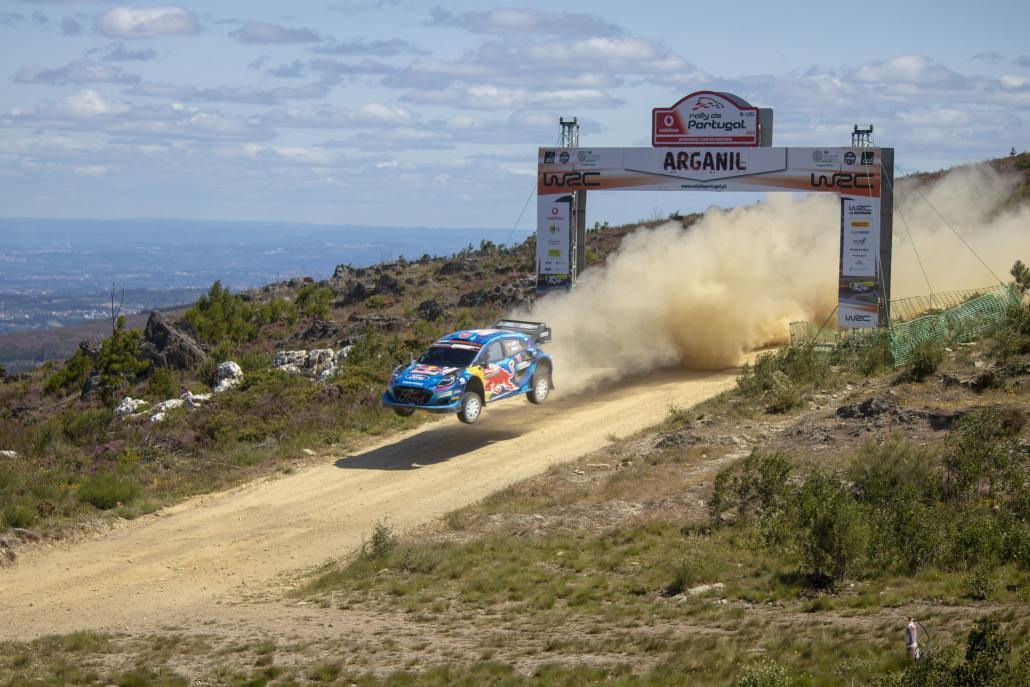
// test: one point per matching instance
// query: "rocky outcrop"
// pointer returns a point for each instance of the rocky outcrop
(356, 292)
(504, 295)
(319, 363)
(129, 406)
(165, 345)
(227, 376)
(388, 286)
(430, 310)
(319, 330)
(453, 267)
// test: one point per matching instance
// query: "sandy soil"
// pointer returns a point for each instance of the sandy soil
(226, 558)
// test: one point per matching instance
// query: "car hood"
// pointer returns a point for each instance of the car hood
(426, 376)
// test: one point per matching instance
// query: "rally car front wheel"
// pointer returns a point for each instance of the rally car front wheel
(471, 407)
(540, 389)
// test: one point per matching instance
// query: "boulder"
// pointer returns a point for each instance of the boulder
(10, 455)
(388, 286)
(319, 329)
(355, 293)
(168, 405)
(129, 406)
(167, 346)
(453, 267)
(227, 376)
(191, 400)
(430, 310)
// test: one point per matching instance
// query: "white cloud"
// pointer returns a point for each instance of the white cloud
(264, 33)
(524, 20)
(490, 96)
(75, 72)
(905, 69)
(379, 48)
(88, 104)
(147, 22)
(231, 94)
(328, 117)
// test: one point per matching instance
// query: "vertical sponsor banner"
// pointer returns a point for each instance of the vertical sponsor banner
(858, 294)
(553, 236)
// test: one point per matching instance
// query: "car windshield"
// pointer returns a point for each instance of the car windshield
(445, 356)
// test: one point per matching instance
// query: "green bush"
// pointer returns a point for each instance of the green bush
(162, 385)
(833, 529)
(751, 486)
(83, 427)
(764, 673)
(18, 515)
(927, 356)
(72, 375)
(382, 542)
(220, 317)
(313, 301)
(107, 490)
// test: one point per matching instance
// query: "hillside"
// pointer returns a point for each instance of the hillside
(777, 534)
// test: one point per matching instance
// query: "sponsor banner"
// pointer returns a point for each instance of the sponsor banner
(553, 240)
(709, 169)
(857, 316)
(705, 118)
(860, 235)
(858, 292)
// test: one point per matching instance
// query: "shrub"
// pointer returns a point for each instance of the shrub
(750, 486)
(381, 544)
(313, 301)
(83, 427)
(833, 529)
(980, 584)
(764, 673)
(162, 385)
(222, 317)
(892, 472)
(108, 490)
(73, 375)
(18, 515)
(927, 356)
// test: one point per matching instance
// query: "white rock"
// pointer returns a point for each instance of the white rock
(157, 417)
(128, 406)
(341, 354)
(705, 588)
(192, 400)
(327, 373)
(168, 405)
(9, 454)
(227, 375)
(284, 358)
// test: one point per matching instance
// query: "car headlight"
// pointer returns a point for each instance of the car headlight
(447, 381)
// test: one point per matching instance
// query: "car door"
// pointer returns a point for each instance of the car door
(498, 371)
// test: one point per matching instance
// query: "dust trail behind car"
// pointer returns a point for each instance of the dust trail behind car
(699, 297)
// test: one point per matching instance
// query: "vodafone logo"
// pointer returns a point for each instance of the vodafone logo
(554, 212)
(669, 121)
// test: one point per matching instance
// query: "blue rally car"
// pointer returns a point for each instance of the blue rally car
(463, 371)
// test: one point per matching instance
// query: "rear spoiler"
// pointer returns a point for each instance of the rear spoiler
(539, 331)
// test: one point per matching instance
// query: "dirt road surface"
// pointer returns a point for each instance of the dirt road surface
(208, 560)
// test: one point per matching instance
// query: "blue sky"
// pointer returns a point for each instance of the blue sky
(400, 113)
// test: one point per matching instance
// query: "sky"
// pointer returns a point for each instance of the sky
(402, 113)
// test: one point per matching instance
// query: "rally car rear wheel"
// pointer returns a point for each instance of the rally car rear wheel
(541, 388)
(471, 407)
(404, 412)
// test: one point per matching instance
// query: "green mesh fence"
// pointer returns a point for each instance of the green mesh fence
(950, 317)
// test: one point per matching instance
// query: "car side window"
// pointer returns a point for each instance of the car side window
(511, 347)
(494, 354)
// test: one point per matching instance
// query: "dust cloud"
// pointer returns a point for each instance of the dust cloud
(702, 296)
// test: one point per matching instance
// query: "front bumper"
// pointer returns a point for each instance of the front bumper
(434, 404)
